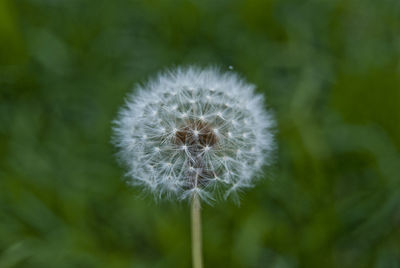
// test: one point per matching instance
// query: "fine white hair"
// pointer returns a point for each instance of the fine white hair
(194, 131)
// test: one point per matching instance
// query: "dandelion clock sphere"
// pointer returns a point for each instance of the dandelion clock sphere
(194, 131)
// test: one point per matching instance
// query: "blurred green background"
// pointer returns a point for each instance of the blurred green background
(330, 70)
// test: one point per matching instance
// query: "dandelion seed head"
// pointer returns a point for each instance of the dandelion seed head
(193, 130)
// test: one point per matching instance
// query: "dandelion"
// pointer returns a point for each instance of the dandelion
(196, 134)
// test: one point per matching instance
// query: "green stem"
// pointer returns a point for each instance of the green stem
(196, 233)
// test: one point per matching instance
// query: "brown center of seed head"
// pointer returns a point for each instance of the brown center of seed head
(197, 135)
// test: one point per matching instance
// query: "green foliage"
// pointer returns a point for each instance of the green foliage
(329, 69)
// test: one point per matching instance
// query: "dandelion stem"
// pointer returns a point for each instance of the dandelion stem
(197, 256)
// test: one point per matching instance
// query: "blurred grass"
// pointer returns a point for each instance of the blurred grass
(329, 69)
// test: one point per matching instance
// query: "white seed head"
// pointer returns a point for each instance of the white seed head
(194, 130)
